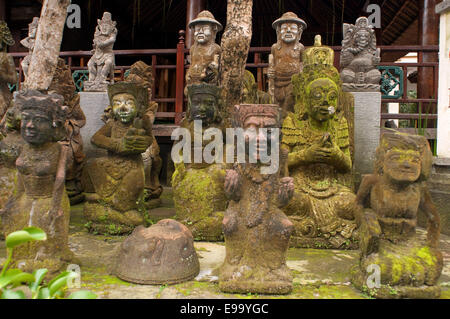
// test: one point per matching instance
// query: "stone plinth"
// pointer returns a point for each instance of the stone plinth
(367, 130)
(93, 104)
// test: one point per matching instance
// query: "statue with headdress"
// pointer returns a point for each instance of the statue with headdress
(360, 57)
(116, 182)
(102, 63)
(8, 74)
(317, 139)
(197, 183)
(40, 198)
(205, 53)
(388, 203)
(28, 43)
(285, 59)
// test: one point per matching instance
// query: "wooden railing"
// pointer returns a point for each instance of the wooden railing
(172, 114)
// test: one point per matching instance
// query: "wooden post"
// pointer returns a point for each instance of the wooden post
(193, 8)
(259, 74)
(48, 44)
(3, 10)
(180, 79)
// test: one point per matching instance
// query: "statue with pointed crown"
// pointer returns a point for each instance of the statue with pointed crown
(317, 139)
(205, 53)
(102, 63)
(285, 59)
(40, 198)
(360, 58)
(28, 43)
(116, 182)
(8, 74)
(198, 190)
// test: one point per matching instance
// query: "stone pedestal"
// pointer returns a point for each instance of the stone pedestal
(367, 130)
(93, 104)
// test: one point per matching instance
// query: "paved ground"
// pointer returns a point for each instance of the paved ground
(317, 273)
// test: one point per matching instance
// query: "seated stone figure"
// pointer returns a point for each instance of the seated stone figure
(10, 148)
(388, 202)
(117, 180)
(198, 190)
(256, 231)
(40, 198)
(319, 160)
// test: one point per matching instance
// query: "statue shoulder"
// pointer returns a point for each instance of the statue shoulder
(292, 130)
(340, 126)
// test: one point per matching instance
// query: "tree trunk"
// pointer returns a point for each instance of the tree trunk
(235, 46)
(47, 46)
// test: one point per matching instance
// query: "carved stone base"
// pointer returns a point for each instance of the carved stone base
(354, 87)
(92, 86)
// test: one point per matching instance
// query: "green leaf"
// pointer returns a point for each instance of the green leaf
(9, 294)
(39, 275)
(25, 235)
(82, 294)
(60, 281)
(15, 277)
(43, 294)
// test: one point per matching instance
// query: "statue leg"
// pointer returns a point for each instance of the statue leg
(92, 70)
(106, 70)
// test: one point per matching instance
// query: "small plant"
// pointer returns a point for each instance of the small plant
(13, 278)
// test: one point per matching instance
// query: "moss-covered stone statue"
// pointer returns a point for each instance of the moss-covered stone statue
(319, 160)
(250, 92)
(8, 74)
(256, 231)
(198, 190)
(10, 148)
(388, 203)
(117, 180)
(40, 198)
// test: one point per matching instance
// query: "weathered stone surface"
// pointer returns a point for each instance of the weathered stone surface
(102, 63)
(367, 130)
(8, 69)
(40, 198)
(28, 43)
(360, 57)
(256, 231)
(317, 139)
(389, 201)
(285, 59)
(161, 254)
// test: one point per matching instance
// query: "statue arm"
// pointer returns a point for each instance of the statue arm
(343, 160)
(233, 185)
(109, 41)
(18, 191)
(434, 223)
(103, 138)
(59, 186)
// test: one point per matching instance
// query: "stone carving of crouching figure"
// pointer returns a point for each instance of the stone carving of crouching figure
(40, 198)
(256, 231)
(388, 203)
(117, 180)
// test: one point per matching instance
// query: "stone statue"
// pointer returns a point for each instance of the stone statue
(250, 92)
(8, 72)
(198, 191)
(205, 53)
(40, 198)
(117, 180)
(63, 84)
(102, 62)
(28, 43)
(142, 74)
(256, 231)
(10, 148)
(285, 59)
(161, 254)
(319, 160)
(388, 202)
(360, 58)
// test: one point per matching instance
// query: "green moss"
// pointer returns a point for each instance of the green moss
(426, 255)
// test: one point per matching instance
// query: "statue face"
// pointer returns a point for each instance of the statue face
(124, 107)
(322, 99)
(253, 126)
(36, 127)
(290, 32)
(203, 33)
(402, 165)
(362, 38)
(105, 28)
(203, 107)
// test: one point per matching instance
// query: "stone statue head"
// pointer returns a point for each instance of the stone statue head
(6, 38)
(141, 74)
(127, 101)
(106, 25)
(205, 28)
(204, 103)
(403, 158)
(42, 116)
(322, 99)
(360, 36)
(12, 119)
(289, 28)
(249, 90)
